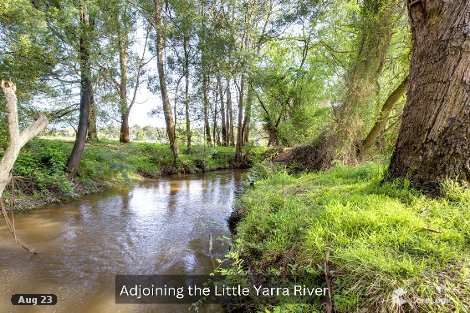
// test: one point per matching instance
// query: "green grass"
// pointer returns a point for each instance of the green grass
(379, 238)
(42, 178)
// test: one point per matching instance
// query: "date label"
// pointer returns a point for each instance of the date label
(34, 299)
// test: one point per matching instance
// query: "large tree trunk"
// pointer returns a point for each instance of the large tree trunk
(205, 91)
(379, 125)
(433, 142)
(92, 131)
(186, 92)
(160, 45)
(85, 89)
(16, 139)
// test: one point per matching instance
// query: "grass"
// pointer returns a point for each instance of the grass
(380, 238)
(42, 177)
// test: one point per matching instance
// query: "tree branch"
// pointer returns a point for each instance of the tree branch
(16, 139)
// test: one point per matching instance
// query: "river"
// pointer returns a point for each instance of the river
(155, 227)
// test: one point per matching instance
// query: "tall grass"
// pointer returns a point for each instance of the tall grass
(386, 242)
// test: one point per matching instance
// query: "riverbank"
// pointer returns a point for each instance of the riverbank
(40, 175)
(383, 247)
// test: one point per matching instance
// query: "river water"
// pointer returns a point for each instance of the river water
(159, 227)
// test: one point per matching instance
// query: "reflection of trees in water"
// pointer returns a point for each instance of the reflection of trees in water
(175, 186)
(126, 197)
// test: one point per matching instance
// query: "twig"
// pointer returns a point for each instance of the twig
(329, 301)
(11, 228)
(414, 2)
(431, 230)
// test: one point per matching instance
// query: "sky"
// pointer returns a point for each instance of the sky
(145, 103)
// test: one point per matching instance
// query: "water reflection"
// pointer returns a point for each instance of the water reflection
(159, 227)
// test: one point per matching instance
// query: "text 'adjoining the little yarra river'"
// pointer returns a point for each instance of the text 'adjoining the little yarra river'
(189, 289)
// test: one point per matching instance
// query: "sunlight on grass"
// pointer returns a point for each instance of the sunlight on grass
(380, 237)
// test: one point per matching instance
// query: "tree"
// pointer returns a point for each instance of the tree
(122, 84)
(16, 138)
(433, 141)
(28, 53)
(379, 125)
(222, 111)
(186, 38)
(85, 41)
(160, 47)
(378, 21)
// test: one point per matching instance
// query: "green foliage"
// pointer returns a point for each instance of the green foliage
(41, 166)
(380, 237)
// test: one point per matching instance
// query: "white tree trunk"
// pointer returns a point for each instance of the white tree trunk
(16, 139)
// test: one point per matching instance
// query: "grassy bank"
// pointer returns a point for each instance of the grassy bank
(384, 243)
(41, 176)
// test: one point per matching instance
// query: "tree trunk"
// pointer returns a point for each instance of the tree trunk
(92, 131)
(85, 89)
(230, 132)
(433, 142)
(378, 19)
(16, 139)
(123, 43)
(246, 121)
(239, 146)
(205, 91)
(272, 133)
(383, 118)
(160, 45)
(222, 111)
(124, 131)
(214, 128)
(186, 92)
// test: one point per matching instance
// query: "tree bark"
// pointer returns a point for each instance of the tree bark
(92, 131)
(123, 43)
(85, 89)
(124, 131)
(160, 45)
(16, 139)
(379, 125)
(433, 142)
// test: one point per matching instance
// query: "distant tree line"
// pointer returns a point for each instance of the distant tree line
(329, 74)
